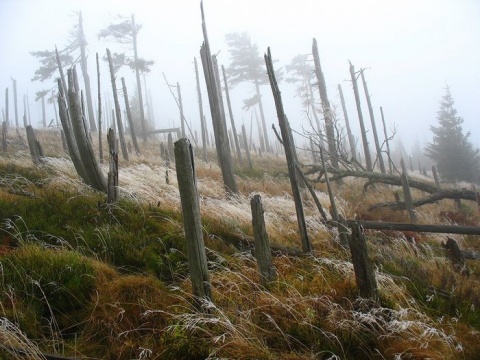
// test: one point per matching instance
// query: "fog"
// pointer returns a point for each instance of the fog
(411, 50)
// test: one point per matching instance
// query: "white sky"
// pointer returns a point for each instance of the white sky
(410, 47)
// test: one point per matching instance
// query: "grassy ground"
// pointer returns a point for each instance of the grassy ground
(85, 279)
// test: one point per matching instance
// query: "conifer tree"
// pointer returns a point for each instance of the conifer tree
(451, 149)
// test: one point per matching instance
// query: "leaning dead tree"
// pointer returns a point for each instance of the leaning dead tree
(327, 111)
(221, 137)
(292, 171)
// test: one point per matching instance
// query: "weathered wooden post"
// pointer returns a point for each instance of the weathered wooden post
(262, 244)
(197, 258)
(112, 186)
(407, 195)
(364, 273)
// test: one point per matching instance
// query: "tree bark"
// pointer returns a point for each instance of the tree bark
(112, 188)
(292, 171)
(407, 195)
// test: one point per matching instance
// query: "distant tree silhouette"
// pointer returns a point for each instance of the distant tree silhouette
(248, 66)
(125, 32)
(451, 150)
(48, 62)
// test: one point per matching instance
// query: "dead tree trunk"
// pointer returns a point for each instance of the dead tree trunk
(112, 188)
(36, 150)
(94, 174)
(118, 112)
(203, 125)
(197, 259)
(292, 170)
(15, 103)
(4, 136)
(366, 149)
(130, 120)
(100, 142)
(435, 176)
(221, 138)
(387, 143)
(139, 84)
(247, 150)
(234, 129)
(364, 273)
(66, 121)
(180, 108)
(262, 244)
(351, 139)
(327, 111)
(407, 195)
(374, 126)
(6, 106)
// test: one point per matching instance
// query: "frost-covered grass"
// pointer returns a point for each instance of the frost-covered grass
(82, 278)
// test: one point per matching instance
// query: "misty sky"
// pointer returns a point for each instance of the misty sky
(411, 49)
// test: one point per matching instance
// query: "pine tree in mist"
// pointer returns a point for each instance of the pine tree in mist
(451, 150)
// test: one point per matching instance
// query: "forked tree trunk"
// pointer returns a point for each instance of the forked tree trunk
(292, 170)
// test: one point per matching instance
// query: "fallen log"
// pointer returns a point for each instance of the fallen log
(441, 229)
(462, 194)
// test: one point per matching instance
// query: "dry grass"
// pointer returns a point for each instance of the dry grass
(310, 311)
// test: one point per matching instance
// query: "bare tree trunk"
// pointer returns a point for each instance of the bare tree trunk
(435, 176)
(118, 112)
(139, 84)
(100, 142)
(36, 150)
(234, 129)
(129, 117)
(180, 108)
(6, 106)
(15, 103)
(4, 136)
(197, 259)
(292, 170)
(387, 142)
(247, 150)
(112, 188)
(203, 124)
(221, 138)
(407, 194)
(327, 112)
(86, 77)
(374, 126)
(366, 149)
(44, 117)
(262, 244)
(351, 139)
